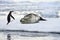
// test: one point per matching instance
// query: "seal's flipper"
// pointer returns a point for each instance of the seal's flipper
(41, 19)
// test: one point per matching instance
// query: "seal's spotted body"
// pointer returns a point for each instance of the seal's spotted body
(31, 18)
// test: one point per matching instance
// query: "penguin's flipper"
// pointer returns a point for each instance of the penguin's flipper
(12, 17)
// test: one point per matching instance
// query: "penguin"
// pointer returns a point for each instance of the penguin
(8, 17)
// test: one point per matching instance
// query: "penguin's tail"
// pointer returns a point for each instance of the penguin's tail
(7, 23)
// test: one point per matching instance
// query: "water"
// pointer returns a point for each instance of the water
(29, 36)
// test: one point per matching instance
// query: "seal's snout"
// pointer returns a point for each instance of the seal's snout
(22, 20)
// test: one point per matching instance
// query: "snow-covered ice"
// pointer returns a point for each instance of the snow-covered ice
(52, 24)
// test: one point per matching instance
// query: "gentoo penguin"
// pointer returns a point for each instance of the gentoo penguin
(8, 17)
(31, 18)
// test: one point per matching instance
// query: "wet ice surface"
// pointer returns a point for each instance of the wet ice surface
(30, 36)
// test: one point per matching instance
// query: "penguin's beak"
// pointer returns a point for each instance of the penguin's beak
(11, 11)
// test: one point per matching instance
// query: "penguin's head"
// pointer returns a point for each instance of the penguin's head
(11, 11)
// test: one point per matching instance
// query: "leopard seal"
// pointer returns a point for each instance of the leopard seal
(31, 18)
